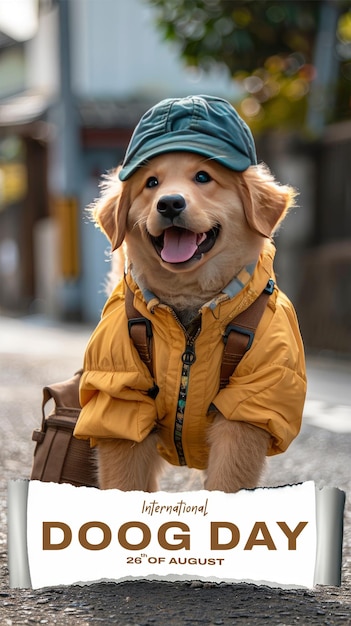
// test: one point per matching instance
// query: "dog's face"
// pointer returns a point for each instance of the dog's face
(186, 212)
(190, 223)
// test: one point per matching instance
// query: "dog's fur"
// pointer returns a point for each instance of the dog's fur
(245, 208)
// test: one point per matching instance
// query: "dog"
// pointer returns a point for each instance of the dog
(189, 226)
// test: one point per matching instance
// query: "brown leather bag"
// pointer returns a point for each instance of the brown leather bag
(59, 457)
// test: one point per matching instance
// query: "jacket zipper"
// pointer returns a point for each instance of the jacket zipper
(188, 358)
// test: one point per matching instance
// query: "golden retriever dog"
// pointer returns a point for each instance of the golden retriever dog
(188, 225)
(240, 206)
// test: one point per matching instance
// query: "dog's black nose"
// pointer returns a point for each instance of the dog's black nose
(171, 206)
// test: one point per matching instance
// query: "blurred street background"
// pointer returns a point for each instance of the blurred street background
(75, 77)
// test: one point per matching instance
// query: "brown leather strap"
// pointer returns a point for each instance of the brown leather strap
(140, 331)
(240, 333)
(64, 394)
(47, 463)
(238, 337)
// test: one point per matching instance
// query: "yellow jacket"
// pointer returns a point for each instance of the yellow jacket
(267, 389)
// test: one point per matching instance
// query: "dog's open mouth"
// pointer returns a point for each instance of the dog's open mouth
(178, 245)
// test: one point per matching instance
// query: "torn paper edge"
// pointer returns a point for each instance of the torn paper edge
(330, 502)
(17, 498)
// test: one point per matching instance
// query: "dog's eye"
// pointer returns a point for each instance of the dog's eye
(202, 177)
(151, 182)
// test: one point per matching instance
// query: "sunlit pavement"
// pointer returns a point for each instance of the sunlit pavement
(35, 352)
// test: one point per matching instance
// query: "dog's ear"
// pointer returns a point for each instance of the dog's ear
(110, 210)
(266, 202)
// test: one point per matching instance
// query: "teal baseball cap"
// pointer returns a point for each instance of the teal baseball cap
(206, 125)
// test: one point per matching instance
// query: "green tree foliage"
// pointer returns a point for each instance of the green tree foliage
(269, 47)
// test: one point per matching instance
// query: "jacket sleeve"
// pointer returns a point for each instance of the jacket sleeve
(114, 386)
(268, 387)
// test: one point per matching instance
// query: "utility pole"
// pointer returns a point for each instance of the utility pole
(65, 174)
(322, 94)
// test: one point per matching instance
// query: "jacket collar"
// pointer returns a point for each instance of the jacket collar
(250, 282)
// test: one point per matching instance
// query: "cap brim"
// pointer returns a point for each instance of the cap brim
(236, 161)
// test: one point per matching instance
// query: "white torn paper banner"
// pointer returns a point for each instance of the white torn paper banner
(62, 535)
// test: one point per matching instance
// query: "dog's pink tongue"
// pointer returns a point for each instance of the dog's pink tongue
(179, 245)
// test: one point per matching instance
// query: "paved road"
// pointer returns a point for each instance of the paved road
(34, 353)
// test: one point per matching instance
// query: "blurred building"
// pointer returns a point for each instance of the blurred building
(75, 77)
(72, 88)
